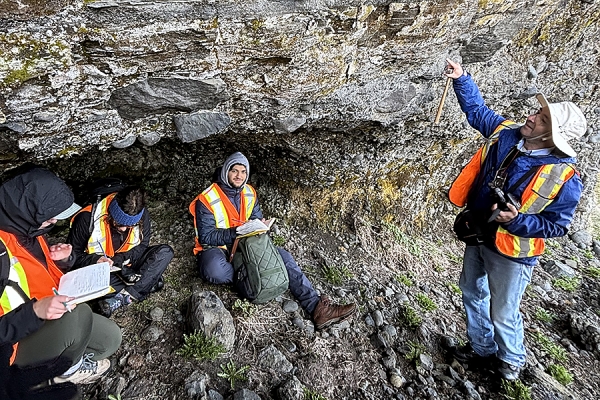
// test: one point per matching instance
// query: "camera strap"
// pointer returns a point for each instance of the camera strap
(500, 176)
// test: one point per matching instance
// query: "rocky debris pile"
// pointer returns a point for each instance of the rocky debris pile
(409, 305)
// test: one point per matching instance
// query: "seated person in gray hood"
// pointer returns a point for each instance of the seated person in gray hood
(215, 237)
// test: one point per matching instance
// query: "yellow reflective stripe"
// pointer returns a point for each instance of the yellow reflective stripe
(546, 187)
(520, 247)
(97, 238)
(217, 208)
(250, 200)
(10, 298)
(507, 124)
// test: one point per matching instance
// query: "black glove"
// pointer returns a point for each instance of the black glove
(18, 383)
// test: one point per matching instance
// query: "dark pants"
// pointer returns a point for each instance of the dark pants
(214, 268)
(150, 266)
(71, 336)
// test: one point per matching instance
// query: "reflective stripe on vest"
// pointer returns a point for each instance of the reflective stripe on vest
(29, 273)
(10, 298)
(226, 216)
(100, 241)
(460, 188)
(540, 192)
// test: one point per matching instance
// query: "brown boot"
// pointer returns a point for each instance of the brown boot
(326, 313)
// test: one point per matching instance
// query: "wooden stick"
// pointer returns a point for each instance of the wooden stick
(439, 110)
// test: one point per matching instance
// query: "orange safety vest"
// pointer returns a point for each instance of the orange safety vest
(100, 241)
(226, 216)
(459, 190)
(540, 192)
(29, 273)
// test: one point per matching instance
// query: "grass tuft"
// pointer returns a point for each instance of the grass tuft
(244, 307)
(544, 316)
(410, 318)
(310, 394)
(425, 302)
(278, 240)
(558, 353)
(516, 390)
(566, 284)
(336, 275)
(404, 279)
(415, 351)
(560, 373)
(454, 288)
(593, 272)
(200, 347)
(232, 373)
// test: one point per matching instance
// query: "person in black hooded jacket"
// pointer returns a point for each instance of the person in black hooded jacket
(32, 318)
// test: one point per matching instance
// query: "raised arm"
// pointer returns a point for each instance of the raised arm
(471, 102)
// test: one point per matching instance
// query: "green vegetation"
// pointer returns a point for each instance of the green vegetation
(558, 353)
(588, 254)
(336, 275)
(312, 395)
(404, 239)
(544, 316)
(516, 390)
(232, 373)
(404, 279)
(566, 284)
(593, 272)
(425, 302)
(410, 318)
(197, 345)
(113, 397)
(244, 307)
(278, 240)
(415, 350)
(560, 373)
(454, 288)
(454, 258)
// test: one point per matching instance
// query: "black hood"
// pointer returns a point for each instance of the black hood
(29, 199)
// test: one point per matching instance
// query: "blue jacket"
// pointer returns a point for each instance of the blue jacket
(208, 233)
(555, 219)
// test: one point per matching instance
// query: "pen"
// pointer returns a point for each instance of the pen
(64, 303)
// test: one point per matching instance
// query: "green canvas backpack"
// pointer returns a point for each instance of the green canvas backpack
(260, 274)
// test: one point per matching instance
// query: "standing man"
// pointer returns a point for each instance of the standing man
(532, 164)
(33, 320)
(120, 234)
(227, 205)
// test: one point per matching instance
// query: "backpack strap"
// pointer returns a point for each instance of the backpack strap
(92, 213)
(4, 266)
(234, 248)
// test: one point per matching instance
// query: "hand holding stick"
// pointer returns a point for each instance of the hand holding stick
(439, 110)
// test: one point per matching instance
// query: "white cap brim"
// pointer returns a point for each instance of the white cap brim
(69, 211)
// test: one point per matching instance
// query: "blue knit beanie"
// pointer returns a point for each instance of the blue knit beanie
(121, 217)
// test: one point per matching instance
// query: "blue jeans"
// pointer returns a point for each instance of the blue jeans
(492, 287)
(214, 268)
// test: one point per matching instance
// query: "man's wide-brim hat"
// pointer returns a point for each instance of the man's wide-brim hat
(568, 122)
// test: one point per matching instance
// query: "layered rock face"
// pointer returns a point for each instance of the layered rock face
(332, 101)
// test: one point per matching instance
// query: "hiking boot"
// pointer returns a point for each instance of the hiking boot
(508, 371)
(466, 355)
(327, 313)
(158, 285)
(89, 371)
(110, 305)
